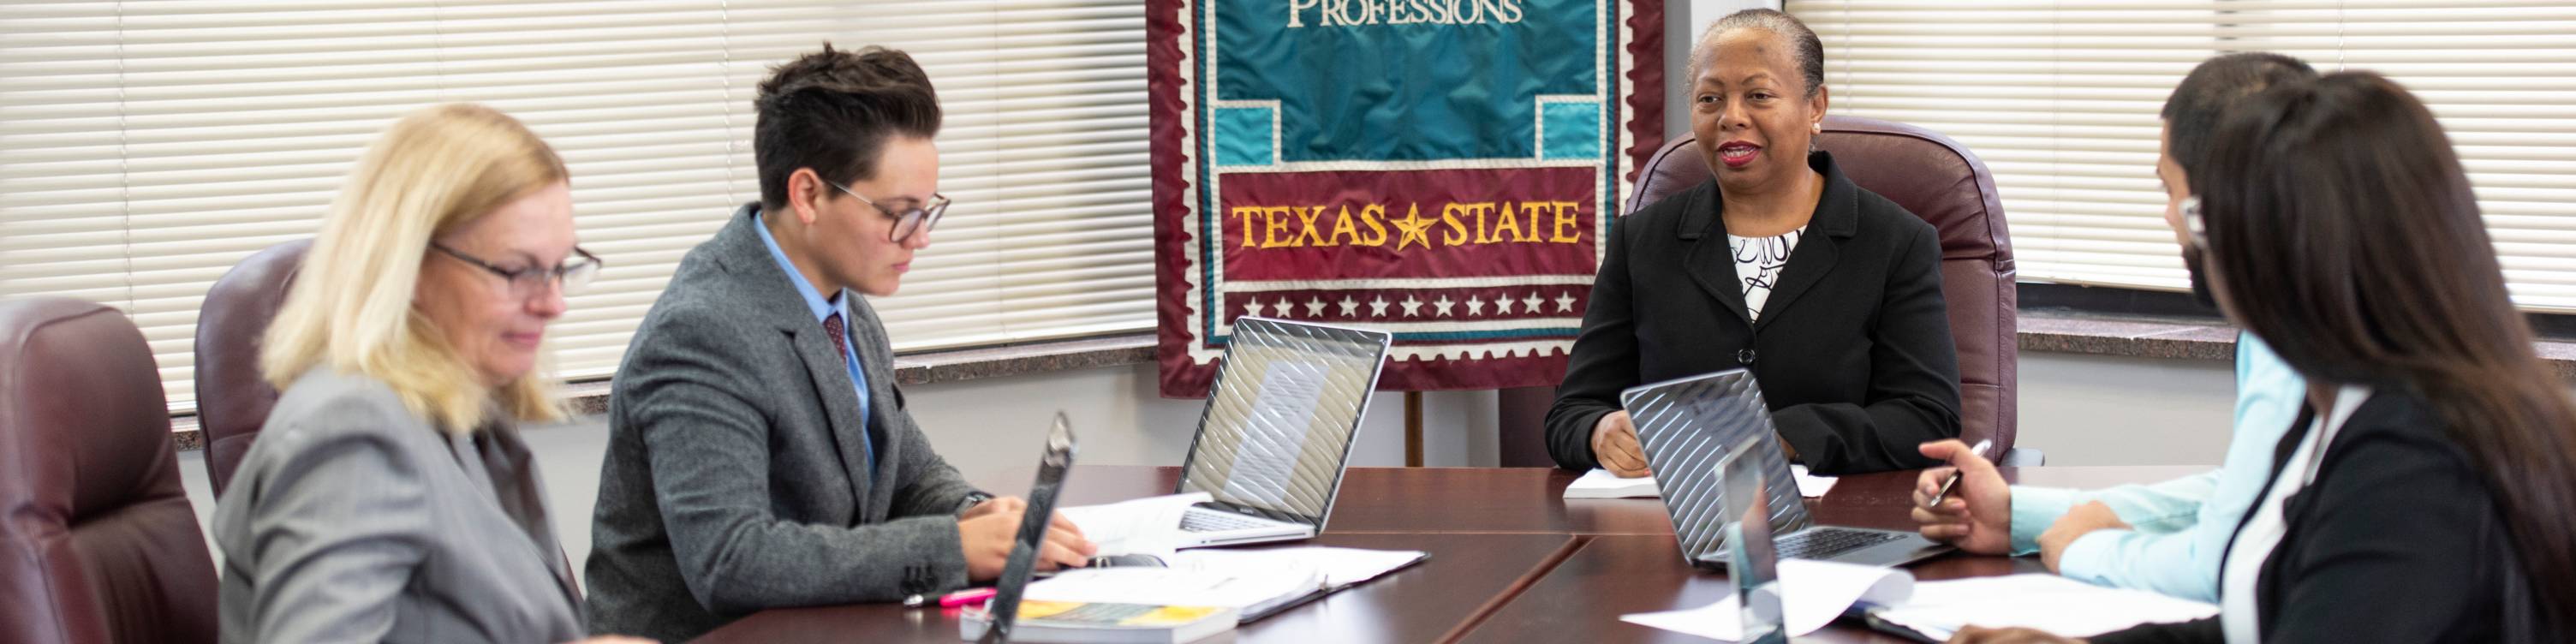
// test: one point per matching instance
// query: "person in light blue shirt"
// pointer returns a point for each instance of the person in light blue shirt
(2175, 530)
(2167, 537)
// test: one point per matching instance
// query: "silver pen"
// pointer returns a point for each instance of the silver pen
(1937, 497)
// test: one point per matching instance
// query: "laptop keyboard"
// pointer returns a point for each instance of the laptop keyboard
(1201, 520)
(1825, 543)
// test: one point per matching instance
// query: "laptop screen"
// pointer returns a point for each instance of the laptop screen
(1281, 417)
(1688, 426)
(1004, 609)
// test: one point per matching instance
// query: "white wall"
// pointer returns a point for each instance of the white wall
(995, 424)
(2107, 410)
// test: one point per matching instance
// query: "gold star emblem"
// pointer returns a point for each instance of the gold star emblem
(1416, 228)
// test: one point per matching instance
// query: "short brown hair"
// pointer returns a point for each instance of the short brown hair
(832, 111)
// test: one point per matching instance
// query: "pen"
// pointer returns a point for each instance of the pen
(1937, 497)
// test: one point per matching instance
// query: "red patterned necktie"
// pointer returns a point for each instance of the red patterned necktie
(840, 337)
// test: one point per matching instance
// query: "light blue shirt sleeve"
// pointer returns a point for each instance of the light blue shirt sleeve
(2181, 527)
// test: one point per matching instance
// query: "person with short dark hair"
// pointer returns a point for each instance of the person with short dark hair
(760, 455)
(2165, 537)
(1827, 292)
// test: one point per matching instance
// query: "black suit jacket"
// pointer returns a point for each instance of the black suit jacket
(1853, 349)
(2397, 540)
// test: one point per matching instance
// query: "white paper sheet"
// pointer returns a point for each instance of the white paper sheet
(1810, 485)
(1341, 566)
(1812, 593)
(1150, 525)
(1601, 484)
(2062, 606)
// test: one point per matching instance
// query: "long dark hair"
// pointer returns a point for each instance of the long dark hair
(2342, 230)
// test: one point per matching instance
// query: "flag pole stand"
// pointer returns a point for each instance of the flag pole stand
(1413, 429)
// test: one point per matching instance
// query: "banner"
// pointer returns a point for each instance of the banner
(1441, 169)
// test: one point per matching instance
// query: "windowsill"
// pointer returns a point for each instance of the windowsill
(2058, 330)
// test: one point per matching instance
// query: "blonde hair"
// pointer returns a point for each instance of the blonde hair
(351, 306)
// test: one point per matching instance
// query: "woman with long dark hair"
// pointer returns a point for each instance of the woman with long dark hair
(2428, 492)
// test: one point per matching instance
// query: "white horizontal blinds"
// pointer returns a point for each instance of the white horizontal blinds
(1042, 150)
(2501, 76)
(145, 147)
(2060, 99)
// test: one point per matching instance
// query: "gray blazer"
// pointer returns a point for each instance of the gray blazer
(353, 520)
(734, 479)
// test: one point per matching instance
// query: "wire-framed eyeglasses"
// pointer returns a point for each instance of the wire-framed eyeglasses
(920, 218)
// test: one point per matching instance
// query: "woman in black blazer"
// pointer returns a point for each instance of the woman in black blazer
(2425, 494)
(1850, 341)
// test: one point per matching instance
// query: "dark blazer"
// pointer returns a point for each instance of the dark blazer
(735, 479)
(1853, 350)
(354, 519)
(2397, 540)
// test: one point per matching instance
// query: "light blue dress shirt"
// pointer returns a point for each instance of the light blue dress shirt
(824, 308)
(2181, 527)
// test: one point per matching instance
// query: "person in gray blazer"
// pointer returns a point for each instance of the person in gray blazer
(759, 453)
(389, 498)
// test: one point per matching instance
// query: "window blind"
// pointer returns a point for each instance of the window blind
(146, 147)
(2060, 99)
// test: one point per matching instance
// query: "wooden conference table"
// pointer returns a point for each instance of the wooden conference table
(1511, 560)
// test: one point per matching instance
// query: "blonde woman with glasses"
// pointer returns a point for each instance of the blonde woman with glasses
(389, 497)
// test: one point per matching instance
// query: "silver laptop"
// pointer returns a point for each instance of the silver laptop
(1688, 427)
(1277, 433)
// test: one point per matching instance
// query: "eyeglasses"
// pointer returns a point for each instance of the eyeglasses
(2191, 222)
(920, 219)
(574, 273)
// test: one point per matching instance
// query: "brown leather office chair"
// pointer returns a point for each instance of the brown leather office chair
(232, 399)
(1937, 179)
(97, 540)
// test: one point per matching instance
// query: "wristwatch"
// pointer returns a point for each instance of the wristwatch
(972, 499)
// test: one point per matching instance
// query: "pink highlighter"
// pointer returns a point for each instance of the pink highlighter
(964, 597)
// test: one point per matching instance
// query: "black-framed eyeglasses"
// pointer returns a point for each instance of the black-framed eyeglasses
(574, 273)
(2191, 222)
(917, 219)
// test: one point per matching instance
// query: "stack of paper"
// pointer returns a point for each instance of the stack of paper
(1601, 484)
(1258, 582)
(2066, 607)
(1814, 592)
(1251, 589)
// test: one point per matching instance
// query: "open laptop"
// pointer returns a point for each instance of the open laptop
(1277, 433)
(1002, 613)
(1688, 427)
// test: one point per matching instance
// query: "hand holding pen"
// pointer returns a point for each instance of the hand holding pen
(1966, 502)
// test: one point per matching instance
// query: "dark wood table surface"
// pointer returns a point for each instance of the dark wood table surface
(1467, 576)
(1511, 559)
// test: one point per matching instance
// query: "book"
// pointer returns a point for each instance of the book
(1104, 623)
